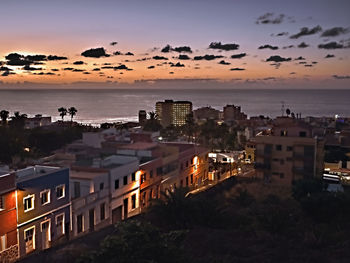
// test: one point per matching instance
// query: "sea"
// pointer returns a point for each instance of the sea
(122, 105)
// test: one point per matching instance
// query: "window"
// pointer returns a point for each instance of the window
(143, 177)
(289, 148)
(284, 133)
(28, 203)
(116, 184)
(125, 180)
(79, 223)
(191, 178)
(102, 211)
(45, 197)
(159, 171)
(224, 159)
(144, 198)
(191, 160)
(60, 224)
(186, 163)
(181, 183)
(29, 239)
(133, 201)
(133, 177)
(2, 203)
(278, 147)
(302, 134)
(186, 180)
(2, 243)
(151, 174)
(60, 191)
(151, 194)
(76, 189)
(102, 186)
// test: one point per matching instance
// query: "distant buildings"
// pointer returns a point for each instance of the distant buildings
(174, 113)
(233, 113)
(37, 121)
(142, 117)
(206, 113)
(289, 153)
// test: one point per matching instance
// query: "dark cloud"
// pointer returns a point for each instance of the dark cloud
(308, 65)
(5, 69)
(302, 62)
(270, 18)
(207, 57)
(299, 58)
(238, 56)
(332, 45)
(268, 46)
(122, 67)
(166, 49)
(54, 57)
(183, 57)
(29, 68)
(329, 56)
(282, 34)
(180, 49)
(292, 73)
(96, 69)
(305, 31)
(113, 43)
(95, 53)
(15, 59)
(117, 53)
(36, 57)
(86, 73)
(226, 47)
(6, 73)
(159, 58)
(78, 62)
(55, 69)
(237, 69)
(278, 59)
(78, 70)
(223, 62)
(335, 31)
(183, 49)
(178, 64)
(151, 67)
(68, 68)
(128, 54)
(290, 46)
(303, 45)
(171, 72)
(341, 77)
(107, 67)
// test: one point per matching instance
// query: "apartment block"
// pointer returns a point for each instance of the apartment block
(171, 112)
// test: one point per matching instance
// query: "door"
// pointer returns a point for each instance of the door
(91, 219)
(117, 214)
(45, 235)
(125, 205)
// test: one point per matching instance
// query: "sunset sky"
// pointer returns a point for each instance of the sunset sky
(250, 43)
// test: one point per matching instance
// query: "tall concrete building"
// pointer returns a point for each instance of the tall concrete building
(233, 113)
(289, 153)
(173, 112)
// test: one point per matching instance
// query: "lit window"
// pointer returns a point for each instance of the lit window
(28, 203)
(29, 238)
(2, 243)
(60, 191)
(133, 201)
(45, 197)
(60, 224)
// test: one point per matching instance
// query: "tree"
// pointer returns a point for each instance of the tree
(63, 112)
(152, 124)
(72, 111)
(18, 120)
(4, 114)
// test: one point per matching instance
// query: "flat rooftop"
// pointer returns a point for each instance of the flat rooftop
(139, 146)
(87, 175)
(35, 171)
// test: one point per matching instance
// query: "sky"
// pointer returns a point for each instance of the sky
(188, 43)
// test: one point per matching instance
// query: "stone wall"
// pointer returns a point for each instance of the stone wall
(9, 255)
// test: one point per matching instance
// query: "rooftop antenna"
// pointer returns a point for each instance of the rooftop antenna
(282, 107)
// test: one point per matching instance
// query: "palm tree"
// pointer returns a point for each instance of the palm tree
(63, 112)
(4, 114)
(18, 120)
(72, 111)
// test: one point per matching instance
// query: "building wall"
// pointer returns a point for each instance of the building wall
(33, 185)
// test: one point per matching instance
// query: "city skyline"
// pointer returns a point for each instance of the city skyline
(226, 44)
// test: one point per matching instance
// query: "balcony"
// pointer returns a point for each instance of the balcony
(86, 200)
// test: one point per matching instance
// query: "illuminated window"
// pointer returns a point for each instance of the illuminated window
(45, 197)
(29, 239)
(28, 203)
(2, 243)
(60, 191)
(60, 224)
(133, 201)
